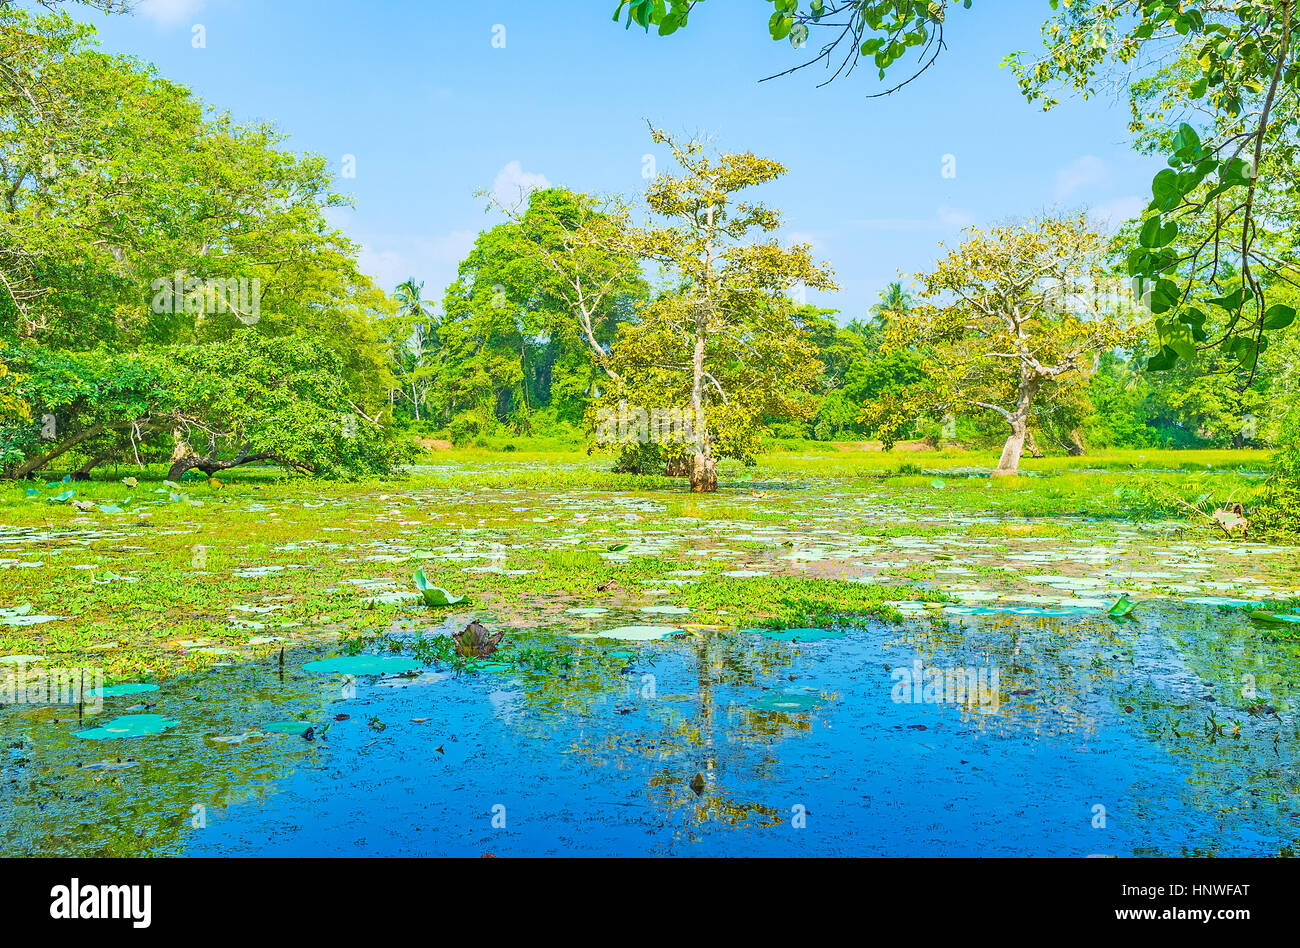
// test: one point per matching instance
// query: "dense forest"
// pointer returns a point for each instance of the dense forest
(173, 293)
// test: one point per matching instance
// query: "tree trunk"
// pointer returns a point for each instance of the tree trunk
(704, 468)
(704, 474)
(83, 473)
(679, 466)
(184, 459)
(1031, 445)
(1009, 462)
(34, 464)
(1076, 447)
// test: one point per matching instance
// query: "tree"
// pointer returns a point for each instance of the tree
(1235, 64)
(535, 307)
(1014, 317)
(724, 337)
(412, 338)
(133, 219)
(894, 301)
(245, 400)
(1209, 243)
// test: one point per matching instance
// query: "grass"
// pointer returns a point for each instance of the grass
(558, 515)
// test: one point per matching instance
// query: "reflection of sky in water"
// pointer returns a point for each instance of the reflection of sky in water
(598, 759)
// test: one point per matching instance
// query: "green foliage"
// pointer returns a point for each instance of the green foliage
(247, 399)
(880, 31)
(123, 201)
(530, 318)
(1208, 247)
(722, 347)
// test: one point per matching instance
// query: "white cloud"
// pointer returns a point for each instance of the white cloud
(387, 267)
(1086, 172)
(169, 12)
(513, 184)
(945, 217)
(954, 218)
(1112, 214)
(391, 259)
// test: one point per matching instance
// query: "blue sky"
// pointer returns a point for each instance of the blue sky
(431, 111)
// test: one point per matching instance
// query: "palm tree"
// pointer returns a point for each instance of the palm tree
(894, 301)
(418, 322)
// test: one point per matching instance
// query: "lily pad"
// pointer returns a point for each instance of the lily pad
(631, 633)
(1273, 618)
(434, 595)
(288, 727)
(23, 616)
(362, 665)
(127, 688)
(786, 701)
(129, 725)
(1122, 609)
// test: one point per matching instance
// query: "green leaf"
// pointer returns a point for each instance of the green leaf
(1122, 609)
(1273, 618)
(1163, 360)
(1279, 316)
(1164, 188)
(779, 25)
(1154, 234)
(434, 595)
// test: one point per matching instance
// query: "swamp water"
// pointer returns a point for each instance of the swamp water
(1172, 732)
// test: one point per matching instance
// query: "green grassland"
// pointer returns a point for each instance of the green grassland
(257, 561)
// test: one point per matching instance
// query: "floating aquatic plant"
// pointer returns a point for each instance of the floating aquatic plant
(434, 595)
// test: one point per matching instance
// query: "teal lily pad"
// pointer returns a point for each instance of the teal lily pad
(362, 665)
(631, 633)
(127, 688)
(288, 727)
(786, 701)
(129, 725)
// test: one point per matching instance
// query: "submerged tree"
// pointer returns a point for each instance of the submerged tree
(1016, 317)
(724, 338)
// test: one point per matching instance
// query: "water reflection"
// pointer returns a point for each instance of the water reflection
(1178, 726)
